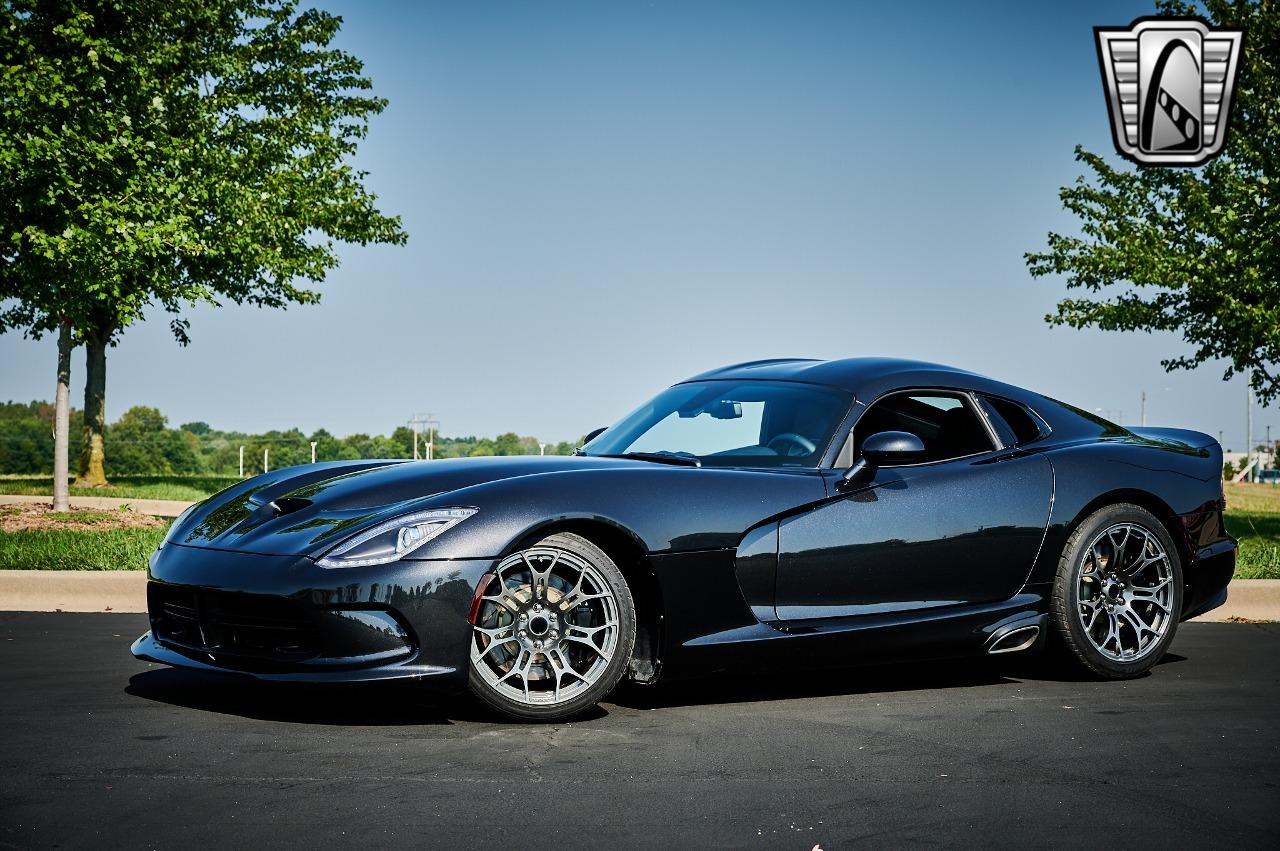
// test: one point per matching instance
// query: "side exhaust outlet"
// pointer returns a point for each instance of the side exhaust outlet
(1018, 638)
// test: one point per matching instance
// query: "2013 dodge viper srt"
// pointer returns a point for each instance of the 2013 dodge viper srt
(780, 514)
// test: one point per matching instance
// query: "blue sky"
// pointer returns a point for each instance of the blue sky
(604, 198)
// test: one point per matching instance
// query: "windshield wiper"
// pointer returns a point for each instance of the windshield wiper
(683, 459)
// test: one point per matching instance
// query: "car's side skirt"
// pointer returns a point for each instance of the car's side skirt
(709, 627)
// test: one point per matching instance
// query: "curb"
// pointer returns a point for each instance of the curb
(126, 591)
(73, 590)
(157, 507)
(1251, 599)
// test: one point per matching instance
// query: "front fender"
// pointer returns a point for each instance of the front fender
(663, 510)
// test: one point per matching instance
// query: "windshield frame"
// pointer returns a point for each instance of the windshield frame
(641, 420)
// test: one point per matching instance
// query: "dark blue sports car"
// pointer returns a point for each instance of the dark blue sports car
(791, 514)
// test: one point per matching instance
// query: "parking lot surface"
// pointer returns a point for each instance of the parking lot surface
(100, 750)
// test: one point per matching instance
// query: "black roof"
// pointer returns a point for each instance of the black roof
(870, 378)
(864, 377)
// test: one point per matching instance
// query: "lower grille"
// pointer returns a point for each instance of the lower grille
(236, 629)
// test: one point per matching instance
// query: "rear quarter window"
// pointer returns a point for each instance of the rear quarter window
(1015, 419)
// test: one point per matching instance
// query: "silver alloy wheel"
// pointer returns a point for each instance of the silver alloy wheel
(547, 627)
(1125, 592)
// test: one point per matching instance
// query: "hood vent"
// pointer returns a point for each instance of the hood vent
(287, 505)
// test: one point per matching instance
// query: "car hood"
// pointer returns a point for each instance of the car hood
(307, 510)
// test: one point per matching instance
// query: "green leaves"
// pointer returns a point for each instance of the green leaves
(172, 153)
(1196, 251)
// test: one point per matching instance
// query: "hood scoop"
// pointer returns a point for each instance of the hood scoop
(288, 504)
(285, 505)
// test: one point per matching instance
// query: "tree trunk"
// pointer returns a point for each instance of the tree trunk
(61, 421)
(92, 454)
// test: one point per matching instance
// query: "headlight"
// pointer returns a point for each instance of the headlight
(394, 539)
(177, 521)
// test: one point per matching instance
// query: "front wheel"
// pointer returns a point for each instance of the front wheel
(552, 630)
(1117, 596)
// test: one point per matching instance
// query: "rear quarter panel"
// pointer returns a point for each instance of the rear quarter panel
(1179, 483)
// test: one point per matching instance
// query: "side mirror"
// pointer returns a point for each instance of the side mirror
(884, 447)
(592, 435)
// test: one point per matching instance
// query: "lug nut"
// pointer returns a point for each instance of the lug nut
(524, 634)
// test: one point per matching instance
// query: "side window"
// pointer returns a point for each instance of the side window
(1017, 421)
(944, 422)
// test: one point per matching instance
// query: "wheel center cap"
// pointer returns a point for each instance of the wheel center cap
(538, 627)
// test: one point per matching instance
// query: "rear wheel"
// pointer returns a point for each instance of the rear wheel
(1118, 592)
(553, 630)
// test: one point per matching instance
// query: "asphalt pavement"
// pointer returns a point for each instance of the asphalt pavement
(101, 751)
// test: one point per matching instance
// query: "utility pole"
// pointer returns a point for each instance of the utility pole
(542, 449)
(432, 425)
(1144, 407)
(313, 452)
(266, 467)
(414, 425)
(242, 462)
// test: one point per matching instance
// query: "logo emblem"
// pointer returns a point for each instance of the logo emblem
(1168, 83)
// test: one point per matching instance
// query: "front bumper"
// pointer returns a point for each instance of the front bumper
(282, 618)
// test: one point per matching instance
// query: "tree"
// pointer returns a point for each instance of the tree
(144, 444)
(1193, 251)
(171, 152)
(403, 443)
(36, 299)
(62, 423)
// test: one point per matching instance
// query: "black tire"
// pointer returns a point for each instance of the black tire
(617, 665)
(1072, 640)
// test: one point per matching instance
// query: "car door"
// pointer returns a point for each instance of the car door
(962, 524)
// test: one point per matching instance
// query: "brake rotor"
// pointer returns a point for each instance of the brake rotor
(540, 670)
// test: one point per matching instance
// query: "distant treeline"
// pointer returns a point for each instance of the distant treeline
(142, 443)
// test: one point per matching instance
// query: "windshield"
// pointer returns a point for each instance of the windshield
(732, 424)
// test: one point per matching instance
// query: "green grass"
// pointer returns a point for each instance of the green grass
(107, 549)
(186, 488)
(1253, 519)
(1259, 537)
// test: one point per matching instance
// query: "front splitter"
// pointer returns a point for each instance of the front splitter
(148, 649)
